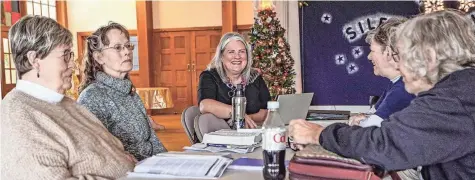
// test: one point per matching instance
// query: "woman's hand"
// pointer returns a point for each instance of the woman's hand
(356, 119)
(154, 125)
(250, 124)
(303, 132)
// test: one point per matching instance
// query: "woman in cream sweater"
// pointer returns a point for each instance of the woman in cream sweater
(45, 135)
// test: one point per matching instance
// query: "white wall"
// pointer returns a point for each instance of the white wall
(181, 14)
(88, 15)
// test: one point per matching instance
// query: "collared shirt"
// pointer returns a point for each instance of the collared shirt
(375, 120)
(39, 91)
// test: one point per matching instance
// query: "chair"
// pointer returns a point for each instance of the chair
(197, 124)
(188, 120)
(206, 123)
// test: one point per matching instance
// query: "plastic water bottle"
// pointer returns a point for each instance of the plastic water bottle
(239, 108)
(274, 144)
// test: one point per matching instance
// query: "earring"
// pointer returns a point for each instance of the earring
(38, 74)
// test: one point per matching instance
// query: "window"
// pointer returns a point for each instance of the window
(41, 7)
(135, 61)
(10, 70)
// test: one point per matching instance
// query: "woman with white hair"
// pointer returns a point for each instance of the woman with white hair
(231, 65)
(436, 57)
(46, 135)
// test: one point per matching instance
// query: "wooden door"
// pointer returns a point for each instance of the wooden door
(203, 48)
(175, 68)
(8, 69)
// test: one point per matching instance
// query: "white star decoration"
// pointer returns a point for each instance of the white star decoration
(352, 68)
(326, 18)
(357, 52)
(340, 59)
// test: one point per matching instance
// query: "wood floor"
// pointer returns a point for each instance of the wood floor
(173, 137)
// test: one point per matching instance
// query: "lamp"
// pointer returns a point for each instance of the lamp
(156, 97)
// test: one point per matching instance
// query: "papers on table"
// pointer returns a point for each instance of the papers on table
(169, 165)
(222, 148)
(232, 137)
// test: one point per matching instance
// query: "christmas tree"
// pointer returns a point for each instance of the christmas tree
(271, 53)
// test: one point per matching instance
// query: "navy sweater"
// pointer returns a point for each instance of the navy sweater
(394, 99)
(436, 131)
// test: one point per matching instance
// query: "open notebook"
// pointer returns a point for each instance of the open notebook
(189, 166)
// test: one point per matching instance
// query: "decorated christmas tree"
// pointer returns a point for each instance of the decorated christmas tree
(271, 53)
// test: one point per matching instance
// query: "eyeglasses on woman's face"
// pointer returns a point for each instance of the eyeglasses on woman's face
(120, 47)
(394, 54)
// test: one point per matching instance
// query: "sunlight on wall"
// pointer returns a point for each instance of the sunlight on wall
(90, 15)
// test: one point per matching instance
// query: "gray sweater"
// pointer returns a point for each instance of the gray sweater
(122, 113)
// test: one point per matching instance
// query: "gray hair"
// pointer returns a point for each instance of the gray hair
(448, 33)
(35, 33)
(217, 61)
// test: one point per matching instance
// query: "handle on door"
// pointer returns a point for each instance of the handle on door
(193, 67)
(188, 67)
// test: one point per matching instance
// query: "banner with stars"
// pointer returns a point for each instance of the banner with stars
(334, 52)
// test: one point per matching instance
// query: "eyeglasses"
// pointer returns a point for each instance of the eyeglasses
(394, 54)
(120, 47)
(68, 56)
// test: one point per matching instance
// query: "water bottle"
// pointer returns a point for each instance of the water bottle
(274, 144)
(238, 108)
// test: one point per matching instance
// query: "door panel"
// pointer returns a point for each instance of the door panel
(174, 58)
(203, 48)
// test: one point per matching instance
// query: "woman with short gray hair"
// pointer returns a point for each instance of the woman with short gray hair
(46, 135)
(435, 132)
(230, 66)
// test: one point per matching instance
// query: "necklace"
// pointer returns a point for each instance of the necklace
(233, 87)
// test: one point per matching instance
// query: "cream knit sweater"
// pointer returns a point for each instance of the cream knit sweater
(41, 140)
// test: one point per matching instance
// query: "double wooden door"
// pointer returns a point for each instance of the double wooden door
(180, 57)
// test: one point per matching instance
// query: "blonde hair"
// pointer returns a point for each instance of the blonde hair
(217, 61)
(448, 33)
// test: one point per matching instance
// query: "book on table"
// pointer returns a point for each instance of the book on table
(232, 137)
(181, 165)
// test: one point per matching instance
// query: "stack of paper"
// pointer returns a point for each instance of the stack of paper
(232, 137)
(181, 165)
(222, 148)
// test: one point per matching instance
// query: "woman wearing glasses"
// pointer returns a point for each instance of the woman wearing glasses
(231, 65)
(46, 135)
(395, 97)
(107, 91)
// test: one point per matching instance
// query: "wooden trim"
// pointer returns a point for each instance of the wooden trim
(145, 38)
(228, 16)
(62, 13)
(5, 29)
(206, 28)
(23, 8)
(244, 27)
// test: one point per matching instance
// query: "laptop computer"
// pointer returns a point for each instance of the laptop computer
(294, 106)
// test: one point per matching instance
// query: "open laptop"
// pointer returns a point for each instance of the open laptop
(294, 106)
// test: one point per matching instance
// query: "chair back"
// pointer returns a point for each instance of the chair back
(188, 120)
(206, 123)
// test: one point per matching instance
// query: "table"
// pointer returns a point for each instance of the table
(230, 174)
(252, 175)
(156, 97)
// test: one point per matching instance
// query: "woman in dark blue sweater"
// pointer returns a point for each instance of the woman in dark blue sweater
(395, 97)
